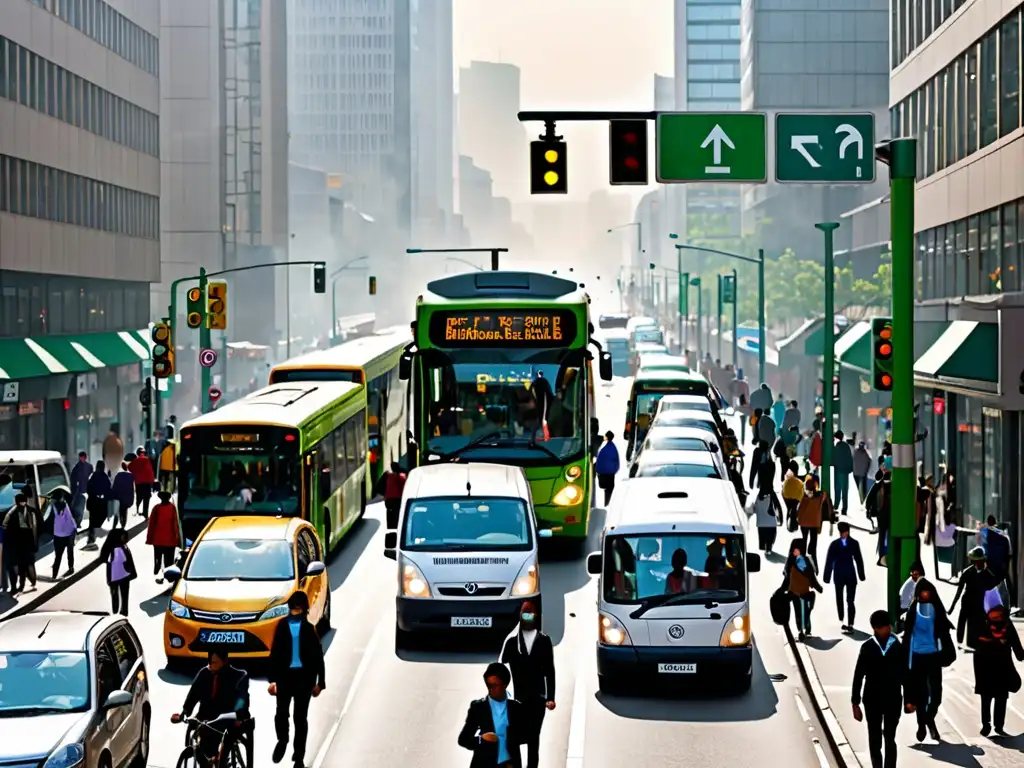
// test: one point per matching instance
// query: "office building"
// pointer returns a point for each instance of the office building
(79, 218)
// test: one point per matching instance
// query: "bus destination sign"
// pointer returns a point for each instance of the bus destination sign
(503, 328)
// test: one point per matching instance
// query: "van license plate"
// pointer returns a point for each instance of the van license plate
(217, 636)
(677, 669)
(472, 621)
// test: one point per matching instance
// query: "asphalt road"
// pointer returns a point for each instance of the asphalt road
(381, 709)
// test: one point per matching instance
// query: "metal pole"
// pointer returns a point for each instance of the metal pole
(700, 318)
(902, 547)
(682, 299)
(718, 317)
(288, 312)
(494, 260)
(762, 342)
(205, 374)
(735, 326)
(828, 364)
(334, 311)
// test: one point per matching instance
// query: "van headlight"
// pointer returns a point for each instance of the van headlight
(528, 580)
(413, 582)
(736, 632)
(274, 612)
(610, 631)
(569, 496)
(178, 610)
(66, 756)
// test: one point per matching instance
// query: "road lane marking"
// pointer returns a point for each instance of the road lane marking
(822, 760)
(364, 664)
(803, 710)
(578, 721)
(789, 655)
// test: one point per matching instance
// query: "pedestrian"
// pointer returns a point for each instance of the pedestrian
(792, 495)
(144, 478)
(814, 453)
(163, 533)
(530, 656)
(810, 514)
(842, 468)
(168, 465)
(296, 672)
(768, 518)
(394, 486)
(64, 530)
(80, 474)
(113, 448)
(995, 675)
(975, 581)
(799, 579)
(765, 427)
(120, 569)
(843, 561)
(21, 540)
(861, 468)
(779, 412)
(98, 503)
(878, 506)
(878, 684)
(607, 466)
(909, 588)
(791, 419)
(122, 490)
(997, 546)
(495, 724)
(927, 637)
(762, 468)
(761, 398)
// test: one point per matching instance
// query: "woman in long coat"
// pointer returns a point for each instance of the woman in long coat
(995, 675)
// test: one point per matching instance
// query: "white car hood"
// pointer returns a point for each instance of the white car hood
(34, 738)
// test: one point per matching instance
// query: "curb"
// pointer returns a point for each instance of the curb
(66, 583)
(841, 750)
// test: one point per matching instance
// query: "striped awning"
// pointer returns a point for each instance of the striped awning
(46, 355)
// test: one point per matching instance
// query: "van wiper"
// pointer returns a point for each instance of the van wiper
(471, 444)
(657, 601)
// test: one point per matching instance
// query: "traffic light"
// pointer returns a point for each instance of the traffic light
(548, 168)
(319, 278)
(196, 310)
(373, 285)
(881, 357)
(627, 151)
(217, 306)
(163, 351)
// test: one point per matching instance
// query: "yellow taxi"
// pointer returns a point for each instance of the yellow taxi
(235, 584)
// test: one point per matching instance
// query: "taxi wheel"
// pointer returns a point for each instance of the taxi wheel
(324, 625)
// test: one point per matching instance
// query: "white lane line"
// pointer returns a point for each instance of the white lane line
(822, 760)
(803, 710)
(578, 721)
(789, 656)
(364, 664)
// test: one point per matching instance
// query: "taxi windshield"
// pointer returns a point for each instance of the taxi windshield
(467, 524)
(39, 683)
(242, 560)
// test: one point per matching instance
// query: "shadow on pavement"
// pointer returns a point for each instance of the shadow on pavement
(821, 643)
(963, 755)
(482, 647)
(157, 604)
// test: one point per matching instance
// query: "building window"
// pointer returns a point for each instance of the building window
(992, 428)
(1009, 74)
(989, 89)
(990, 270)
(959, 272)
(973, 267)
(1009, 272)
(946, 257)
(971, 103)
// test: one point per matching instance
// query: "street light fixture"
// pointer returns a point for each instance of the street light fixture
(493, 251)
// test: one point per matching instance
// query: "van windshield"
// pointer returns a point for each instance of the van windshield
(697, 567)
(477, 524)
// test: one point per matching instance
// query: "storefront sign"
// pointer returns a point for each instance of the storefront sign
(11, 390)
(938, 406)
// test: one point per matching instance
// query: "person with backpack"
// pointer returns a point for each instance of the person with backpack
(800, 580)
(927, 638)
(606, 466)
(811, 514)
(120, 569)
(995, 675)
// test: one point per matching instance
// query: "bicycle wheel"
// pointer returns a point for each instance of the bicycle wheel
(186, 759)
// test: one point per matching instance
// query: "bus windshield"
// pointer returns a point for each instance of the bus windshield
(520, 405)
(254, 482)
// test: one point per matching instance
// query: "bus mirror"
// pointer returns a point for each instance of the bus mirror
(594, 563)
(604, 366)
(405, 368)
(753, 562)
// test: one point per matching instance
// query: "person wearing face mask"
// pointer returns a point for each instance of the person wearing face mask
(64, 530)
(878, 685)
(21, 539)
(530, 655)
(296, 673)
(928, 639)
(799, 579)
(218, 689)
(844, 560)
(495, 724)
(995, 676)
(974, 583)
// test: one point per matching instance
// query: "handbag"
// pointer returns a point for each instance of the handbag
(947, 652)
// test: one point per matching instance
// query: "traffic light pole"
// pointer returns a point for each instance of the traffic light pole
(902, 549)
(205, 373)
(700, 317)
(718, 317)
(828, 363)
(683, 290)
(735, 314)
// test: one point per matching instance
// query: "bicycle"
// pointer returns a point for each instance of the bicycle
(192, 757)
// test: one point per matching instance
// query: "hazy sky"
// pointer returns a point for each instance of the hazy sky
(574, 54)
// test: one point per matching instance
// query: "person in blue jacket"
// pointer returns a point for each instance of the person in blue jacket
(607, 466)
(843, 560)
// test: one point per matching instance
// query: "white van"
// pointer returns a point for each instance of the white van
(466, 547)
(673, 596)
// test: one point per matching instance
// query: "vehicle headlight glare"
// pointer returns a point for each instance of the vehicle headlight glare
(573, 472)
(413, 583)
(178, 610)
(611, 631)
(526, 581)
(66, 756)
(736, 632)
(275, 612)
(569, 496)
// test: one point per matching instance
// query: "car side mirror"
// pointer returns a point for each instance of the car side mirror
(753, 562)
(404, 367)
(118, 699)
(172, 574)
(315, 568)
(594, 563)
(391, 545)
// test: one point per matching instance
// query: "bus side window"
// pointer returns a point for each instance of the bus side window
(325, 464)
(340, 468)
(358, 420)
(352, 443)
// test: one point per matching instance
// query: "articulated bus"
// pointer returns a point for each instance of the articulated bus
(482, 342)
(296, 449)
(371, 361)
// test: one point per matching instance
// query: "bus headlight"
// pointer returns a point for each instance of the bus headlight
(528, 580)
(569, 496)
(736, 632)
(413, 583)
(610, 630)
(573, 472)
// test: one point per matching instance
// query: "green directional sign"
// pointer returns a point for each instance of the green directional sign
(728, 289)
(708, 146)
(833, 147)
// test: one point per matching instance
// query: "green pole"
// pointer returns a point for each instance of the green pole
(682, 299)
(685, 277)
(762, 342)
(902, 549)
(828, 364)
(735, 325)
(700, 318)
(718, 317)
(205, 374)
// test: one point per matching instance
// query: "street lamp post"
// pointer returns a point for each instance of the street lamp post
(639, 245)
(335, 277)
(700, 316)
(828, 362)
(735, 325)
(493, 251)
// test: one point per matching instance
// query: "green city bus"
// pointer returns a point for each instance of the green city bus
(482, 342)
(296, 449)
(373, 362)
(649, 386)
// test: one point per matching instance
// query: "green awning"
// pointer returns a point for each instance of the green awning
(45, 355)
(853, 348)
(967, 350)
(806, 341)
(19, 361)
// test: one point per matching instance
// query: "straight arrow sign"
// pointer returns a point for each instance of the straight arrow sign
(716, 139)
(799, 143)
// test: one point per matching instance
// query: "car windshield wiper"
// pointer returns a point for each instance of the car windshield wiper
(706, 598)
(31, 711)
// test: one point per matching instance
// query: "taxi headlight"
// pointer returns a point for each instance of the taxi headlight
(275, 612)
(610, 630)
(736, 632)
(573, 472)
(178, 610)
(528, 580)
(413, 583)
(66, 756)
(569, 496)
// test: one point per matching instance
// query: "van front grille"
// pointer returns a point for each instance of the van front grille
(463, 592)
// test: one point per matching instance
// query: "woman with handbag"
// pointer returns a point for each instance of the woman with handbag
(929, 643)
(799, 578)
(995, 676)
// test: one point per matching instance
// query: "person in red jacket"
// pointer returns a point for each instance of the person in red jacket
(815, 453)
(163, 534)
(394, 486)
(145, 478)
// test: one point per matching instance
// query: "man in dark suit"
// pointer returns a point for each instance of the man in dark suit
(845, 563)
(494, 724)
(878, 682)
(531, 657)
(296, 673)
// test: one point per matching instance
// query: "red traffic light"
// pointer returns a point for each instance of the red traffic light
(886, 380)
(885, 349)
(629, 138)
(886, 332)
(627, 151)
(631, 162)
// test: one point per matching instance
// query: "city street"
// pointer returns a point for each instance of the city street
(380, 709)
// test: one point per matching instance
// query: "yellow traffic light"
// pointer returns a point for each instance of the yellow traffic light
(548, 163)
(551, 156)
(551, 178)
